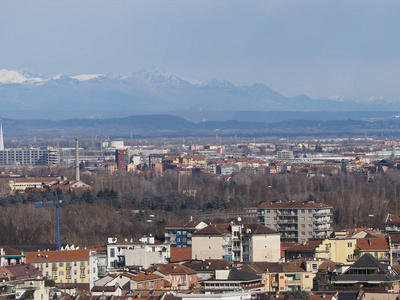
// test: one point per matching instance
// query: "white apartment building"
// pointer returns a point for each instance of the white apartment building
(296, 221)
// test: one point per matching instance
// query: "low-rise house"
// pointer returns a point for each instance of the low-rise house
(232, 280)
(297, 278)
(369, 274)
(272, 274)
(307, 249)
(205, 269)
(177, 277)
(377, 247)
(11, 256)
(392, 224)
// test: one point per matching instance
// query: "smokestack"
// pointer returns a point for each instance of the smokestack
(77, 176)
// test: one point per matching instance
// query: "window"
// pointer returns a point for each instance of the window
(309, 218)
(178, 232)
(61, 264)
(94, 270)
(75, 264)
(310, 233)
(314, 267)
(303, 233)
(302, 219)
(112, 252)
(74, 272)
(350, 244)
(309, 225)
(303, 225)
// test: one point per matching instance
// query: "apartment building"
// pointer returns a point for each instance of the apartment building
(65, 266)
(296, 221)
(179, 233)
(236, 243)
(38, 156)
(141, 253)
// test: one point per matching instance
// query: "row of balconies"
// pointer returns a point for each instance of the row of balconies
(287, 228)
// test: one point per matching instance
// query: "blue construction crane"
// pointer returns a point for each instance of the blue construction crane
(58, 204)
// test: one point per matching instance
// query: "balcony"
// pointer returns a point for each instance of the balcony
(287, 228)
(286, 213)
(290, 221)
(322, 221)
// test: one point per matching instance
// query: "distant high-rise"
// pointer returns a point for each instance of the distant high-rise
(1, 137)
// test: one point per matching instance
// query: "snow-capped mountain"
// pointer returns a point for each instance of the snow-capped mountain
(157, 90)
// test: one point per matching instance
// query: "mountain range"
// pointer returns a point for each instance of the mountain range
(157, 91)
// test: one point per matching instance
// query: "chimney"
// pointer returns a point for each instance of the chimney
(77, 176)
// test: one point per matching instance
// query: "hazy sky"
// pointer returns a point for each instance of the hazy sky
(318, 48)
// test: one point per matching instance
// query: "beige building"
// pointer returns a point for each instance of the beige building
(236, 243)
(339, 249)
(65, 266)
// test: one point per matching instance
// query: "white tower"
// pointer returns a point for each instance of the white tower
(1, 137)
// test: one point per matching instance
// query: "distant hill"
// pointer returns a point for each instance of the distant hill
(143, 126)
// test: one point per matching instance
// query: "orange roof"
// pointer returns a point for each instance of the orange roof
(57, 256)
(172, 269)
(392, 219)
(294, 204)
(142, 276)
(180, 254)
(371, 244)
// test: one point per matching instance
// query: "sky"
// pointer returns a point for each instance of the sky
(330, 48)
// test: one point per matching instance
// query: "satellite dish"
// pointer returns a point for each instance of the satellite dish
(239, 219)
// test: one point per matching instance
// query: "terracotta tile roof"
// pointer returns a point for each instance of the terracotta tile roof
(327, 266)
(36, 179)
(24, 271)
(295, 204)
(171, 269)
(56, 256)
(175, 223)
(104, 288)
(180, 254)
(353, 231)
(262, 267)
(139, 276)
(371, 244)
(214, 229)
(10, 251)
(4, 273)
(192, 224)
(391, 219)
(307, 246)
(395, 237)
(258, 229)
(292, 266)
